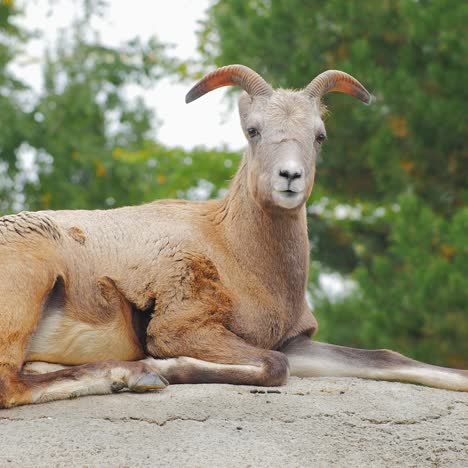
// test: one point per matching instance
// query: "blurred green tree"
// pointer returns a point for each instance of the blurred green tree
(412, 56)
(413, 297)
(86, 144)
(14, 123)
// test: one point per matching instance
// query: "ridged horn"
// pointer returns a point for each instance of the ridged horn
(231, 75)
(341, 82)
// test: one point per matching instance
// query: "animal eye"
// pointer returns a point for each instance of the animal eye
(320, 138)
(253, 132)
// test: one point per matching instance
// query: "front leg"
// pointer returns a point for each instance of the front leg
(309, 358)
(213, 355)
(189, 332)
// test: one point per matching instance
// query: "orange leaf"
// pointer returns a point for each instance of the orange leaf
(100, 169)
(452, 165)
(398, 126)
(46, 199)
(407, 166)
(447, 251)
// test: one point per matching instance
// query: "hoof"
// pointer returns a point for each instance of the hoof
(149, 382)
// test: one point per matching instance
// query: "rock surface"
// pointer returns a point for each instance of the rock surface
(310, 422)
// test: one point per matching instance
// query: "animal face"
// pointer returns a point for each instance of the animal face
(285, 133)
(284, 130)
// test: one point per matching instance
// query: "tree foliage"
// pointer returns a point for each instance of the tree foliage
(413, 297)
(86, 143)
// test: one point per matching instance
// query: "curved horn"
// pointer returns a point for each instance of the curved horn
(231, 75)
(334, 80)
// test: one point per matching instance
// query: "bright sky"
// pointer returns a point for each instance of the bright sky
(204, 122)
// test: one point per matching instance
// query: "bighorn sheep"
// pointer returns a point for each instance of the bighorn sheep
(213, 291)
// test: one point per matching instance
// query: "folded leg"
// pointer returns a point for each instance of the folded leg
(212, 354)
(34, 386)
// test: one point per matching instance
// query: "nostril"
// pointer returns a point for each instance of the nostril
(296, 175)
(284, 173)
(290, 175)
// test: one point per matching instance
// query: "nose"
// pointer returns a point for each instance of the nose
(291, 173)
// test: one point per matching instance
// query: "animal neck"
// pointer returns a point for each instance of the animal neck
(271, 244)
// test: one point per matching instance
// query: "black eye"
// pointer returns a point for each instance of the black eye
(253, 132)
(320, 138)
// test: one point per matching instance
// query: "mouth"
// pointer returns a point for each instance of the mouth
(288, 198)
(289, 193)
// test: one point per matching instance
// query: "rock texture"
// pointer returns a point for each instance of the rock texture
(310, 422)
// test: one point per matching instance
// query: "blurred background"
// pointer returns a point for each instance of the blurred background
(92, 115)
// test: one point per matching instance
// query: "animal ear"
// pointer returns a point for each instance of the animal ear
(231, 75)
(341, 82)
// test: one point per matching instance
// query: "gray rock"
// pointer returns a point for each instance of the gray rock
(310, 422)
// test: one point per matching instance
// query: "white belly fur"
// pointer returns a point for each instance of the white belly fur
(63, 340)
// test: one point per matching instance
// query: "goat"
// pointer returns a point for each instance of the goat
(185, 292)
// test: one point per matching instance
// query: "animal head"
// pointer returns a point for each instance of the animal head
(284, 130)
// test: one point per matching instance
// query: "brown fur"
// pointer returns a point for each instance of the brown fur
(221, 283)
(77, 234)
